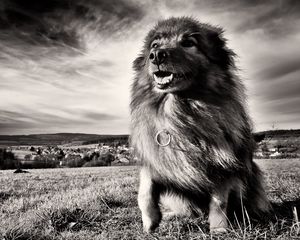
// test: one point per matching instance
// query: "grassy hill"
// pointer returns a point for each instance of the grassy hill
(101, 204)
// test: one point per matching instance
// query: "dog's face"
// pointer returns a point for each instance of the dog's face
(178, 54)
(171, 60)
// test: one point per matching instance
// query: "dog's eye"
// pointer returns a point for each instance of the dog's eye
(154, 45)
(187, 43)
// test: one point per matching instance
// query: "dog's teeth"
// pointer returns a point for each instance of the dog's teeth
(156, 78)
(169, 78)
(163, 80)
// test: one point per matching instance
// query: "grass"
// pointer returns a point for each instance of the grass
(100, 203)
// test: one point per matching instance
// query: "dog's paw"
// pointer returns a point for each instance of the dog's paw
(150, 224)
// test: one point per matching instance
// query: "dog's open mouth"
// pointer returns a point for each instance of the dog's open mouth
(163, 79)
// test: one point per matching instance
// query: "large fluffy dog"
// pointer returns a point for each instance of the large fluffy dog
(190, 126)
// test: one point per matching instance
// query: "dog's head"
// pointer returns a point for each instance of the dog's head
(180, 53)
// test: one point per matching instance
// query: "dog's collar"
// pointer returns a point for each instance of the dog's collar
(159, 135)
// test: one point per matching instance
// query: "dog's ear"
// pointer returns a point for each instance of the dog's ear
(214, 46)
(139, 63)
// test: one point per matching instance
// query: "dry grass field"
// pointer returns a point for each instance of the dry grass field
(100, 203)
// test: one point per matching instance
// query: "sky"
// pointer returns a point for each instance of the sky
(66, 65)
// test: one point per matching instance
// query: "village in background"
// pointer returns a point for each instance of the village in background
(91, 150)
(64, 150)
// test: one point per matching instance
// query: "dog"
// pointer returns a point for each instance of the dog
(190, 127)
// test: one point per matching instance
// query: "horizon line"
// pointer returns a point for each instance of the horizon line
(290, 129)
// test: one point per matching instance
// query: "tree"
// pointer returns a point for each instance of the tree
(264, 147)
(7, 160)
(32, 149)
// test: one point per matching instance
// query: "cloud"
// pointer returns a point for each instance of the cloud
(63, 21)
(32, 121)
(274, 17)
(67, 65)
(281, 68)
(283, 87)
(288, 106)
(94, 116)
(277, 18)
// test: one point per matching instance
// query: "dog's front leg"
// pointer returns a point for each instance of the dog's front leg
(148, 199)
(218, 210)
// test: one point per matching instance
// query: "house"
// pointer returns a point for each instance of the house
(275, 154)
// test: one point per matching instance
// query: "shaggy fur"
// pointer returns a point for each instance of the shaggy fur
(209, 159)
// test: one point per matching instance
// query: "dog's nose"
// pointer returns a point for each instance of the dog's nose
(158, 56)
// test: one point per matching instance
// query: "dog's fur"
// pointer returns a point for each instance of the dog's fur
(209, 159)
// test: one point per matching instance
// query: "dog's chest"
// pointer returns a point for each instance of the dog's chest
(178, 141)
(169, 106)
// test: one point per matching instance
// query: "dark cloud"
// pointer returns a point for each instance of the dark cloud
(95, 116)
(11, 121)
(281, 89)
(64, 21)
(275, 17)
(82, 116)
(105, 63)
(15, 121)
(286, 106)
(9, 115)
(280, 69)
(12, 127)
(32, 117)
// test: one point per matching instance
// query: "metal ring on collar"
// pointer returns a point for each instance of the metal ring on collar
(157, 138)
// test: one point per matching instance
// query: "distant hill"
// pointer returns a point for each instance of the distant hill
(281, 133)
(274, 137)
(59, 138)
